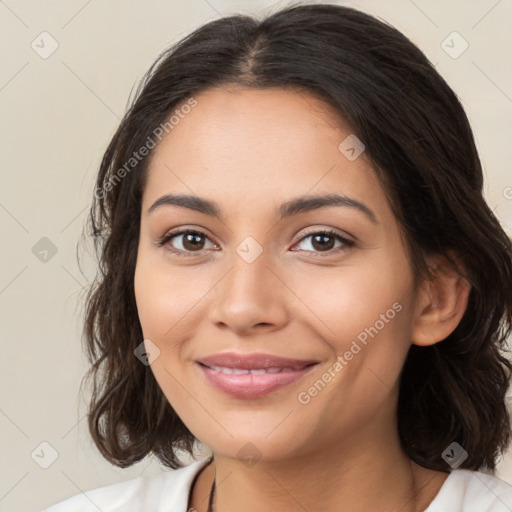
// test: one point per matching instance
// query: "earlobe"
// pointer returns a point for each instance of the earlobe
(441, 304)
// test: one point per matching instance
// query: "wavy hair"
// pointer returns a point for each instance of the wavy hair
(420, 143)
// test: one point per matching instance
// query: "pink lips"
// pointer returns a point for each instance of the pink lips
(252, 375)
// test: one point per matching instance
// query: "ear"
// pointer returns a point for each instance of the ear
(441, 303)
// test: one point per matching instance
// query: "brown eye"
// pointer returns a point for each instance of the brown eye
(185, 241)
(324, 241)
(191, 241)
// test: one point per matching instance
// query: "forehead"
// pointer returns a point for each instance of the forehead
(259, 145)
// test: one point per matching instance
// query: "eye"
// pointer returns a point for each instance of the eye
(187, 241)
(323, 241)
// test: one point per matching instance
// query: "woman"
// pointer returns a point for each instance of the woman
(299, 271)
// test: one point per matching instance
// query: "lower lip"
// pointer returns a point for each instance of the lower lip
(251, 385)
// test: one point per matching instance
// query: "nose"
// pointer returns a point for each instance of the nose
(251, 297)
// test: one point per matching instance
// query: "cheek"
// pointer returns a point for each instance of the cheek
(165, 300)
(365, 313)
(358, 300)
(368, 337)
(165, 297)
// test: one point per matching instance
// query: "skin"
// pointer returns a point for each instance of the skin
(250, 151)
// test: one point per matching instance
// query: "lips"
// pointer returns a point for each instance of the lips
(253, 361)
(251, 376)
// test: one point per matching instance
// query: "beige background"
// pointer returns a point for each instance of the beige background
(57, 115)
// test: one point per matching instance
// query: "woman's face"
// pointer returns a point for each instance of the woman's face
(260, 279)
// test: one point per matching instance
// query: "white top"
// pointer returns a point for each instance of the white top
(462, 491)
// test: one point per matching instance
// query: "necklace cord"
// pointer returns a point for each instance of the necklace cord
(212, 495)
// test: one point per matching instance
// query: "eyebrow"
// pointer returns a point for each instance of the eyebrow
(293, 207)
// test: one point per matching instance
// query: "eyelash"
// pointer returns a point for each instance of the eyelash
(329, 232)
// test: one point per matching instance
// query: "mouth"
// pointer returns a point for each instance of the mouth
(245, 371)
(253, 375)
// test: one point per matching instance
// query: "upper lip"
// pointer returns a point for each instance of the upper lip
(254, 361)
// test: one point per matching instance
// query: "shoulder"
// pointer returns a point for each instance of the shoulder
(164, 491)
(472, 491)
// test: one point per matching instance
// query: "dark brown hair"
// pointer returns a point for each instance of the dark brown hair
(420, 142)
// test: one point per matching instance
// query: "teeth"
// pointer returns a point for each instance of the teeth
(236, 371)
(243, 371)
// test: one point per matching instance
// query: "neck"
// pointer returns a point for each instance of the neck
(366, 475)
